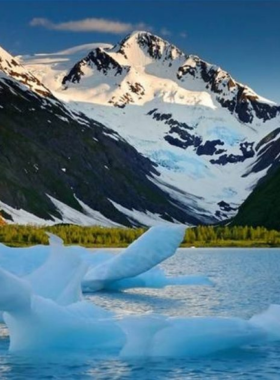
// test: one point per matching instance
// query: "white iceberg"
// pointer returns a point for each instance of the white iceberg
(137, 266)
(37, 324)
(46, 312)
(60, 277)
(153, 278)
(156, 336)
(150, 249)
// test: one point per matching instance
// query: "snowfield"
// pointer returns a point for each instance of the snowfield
(156, 98)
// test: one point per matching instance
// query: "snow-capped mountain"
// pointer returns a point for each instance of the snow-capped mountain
(10, 66)
(57, 165)
(200, 127)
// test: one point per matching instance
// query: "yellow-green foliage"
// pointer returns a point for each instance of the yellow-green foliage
(17, 235)
(231, 236)
(200, 236)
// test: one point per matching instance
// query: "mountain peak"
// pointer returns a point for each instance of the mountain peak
(155, 46)
(144, 67)
(7, 61)
(137, 35)
(10, 66)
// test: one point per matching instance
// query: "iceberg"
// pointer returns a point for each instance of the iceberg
(46, 312)
(135, 267)
(60, 277)
(156, 336)
(23, 261)
(154, 278)
(37, 324)
(150, 249)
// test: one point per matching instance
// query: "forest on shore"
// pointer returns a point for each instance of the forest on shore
(201, 236)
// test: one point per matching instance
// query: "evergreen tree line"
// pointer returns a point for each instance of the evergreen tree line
(231, 236)
(17, 235)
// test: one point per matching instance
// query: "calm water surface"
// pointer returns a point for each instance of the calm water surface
(246, 281)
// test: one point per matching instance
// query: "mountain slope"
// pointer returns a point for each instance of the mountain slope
(262, 207)
(10, 66)
(58, 165)
(207, 134)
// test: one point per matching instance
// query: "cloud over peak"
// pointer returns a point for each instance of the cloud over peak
(100, 25)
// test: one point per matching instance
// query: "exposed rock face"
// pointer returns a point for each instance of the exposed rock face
(155, 46)
(100, 60)
(209, 148)
(239, 99)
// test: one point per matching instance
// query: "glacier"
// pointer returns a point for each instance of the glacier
(45, 310)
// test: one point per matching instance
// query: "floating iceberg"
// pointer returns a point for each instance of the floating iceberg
(153, 278)
(135, 267)
(60, 277)
(39, 324)
(45, 311)
(157, 336)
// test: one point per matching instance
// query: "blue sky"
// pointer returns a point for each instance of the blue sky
(242, 36)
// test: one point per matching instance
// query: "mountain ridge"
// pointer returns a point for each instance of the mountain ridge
(198, 95)
(208, 136)
(69, 168)
(158, 49)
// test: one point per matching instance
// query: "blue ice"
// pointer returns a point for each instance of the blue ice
(45, 311)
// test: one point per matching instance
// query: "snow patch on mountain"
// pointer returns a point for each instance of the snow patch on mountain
(88, 217)
(143, 218)
(12, 67)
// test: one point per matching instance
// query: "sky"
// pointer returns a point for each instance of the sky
(241, 36)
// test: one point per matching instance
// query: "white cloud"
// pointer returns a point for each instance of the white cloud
(100, 25)
(183, 35)
(165, 32)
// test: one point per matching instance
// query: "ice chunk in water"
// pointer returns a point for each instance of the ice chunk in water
(150, 249)
(37, 323)
(59, 278)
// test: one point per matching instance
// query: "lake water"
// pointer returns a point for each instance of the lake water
(246, 282)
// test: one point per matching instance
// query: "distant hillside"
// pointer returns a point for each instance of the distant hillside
(262, 207)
